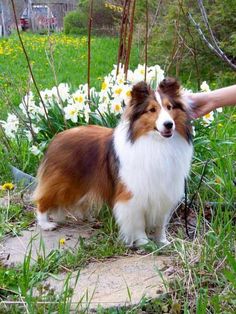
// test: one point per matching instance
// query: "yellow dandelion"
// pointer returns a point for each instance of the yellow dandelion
(7, 186)
(217, 180)
(220, 125)
(62, 241)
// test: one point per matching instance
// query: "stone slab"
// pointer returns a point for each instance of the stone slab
(118, 282)
(14, 249)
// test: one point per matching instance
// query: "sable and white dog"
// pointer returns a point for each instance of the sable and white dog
(138, 168)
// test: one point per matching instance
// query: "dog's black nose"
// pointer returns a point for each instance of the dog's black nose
(168, 124)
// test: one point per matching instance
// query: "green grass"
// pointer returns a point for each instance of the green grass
(205, 268)
(68, 54)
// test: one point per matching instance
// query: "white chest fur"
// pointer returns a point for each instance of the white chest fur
(153, 168)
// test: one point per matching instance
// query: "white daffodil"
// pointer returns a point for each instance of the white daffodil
(114, 71)
(86, 112)
(120, 79)
(208, 118)
(205, 87)
(29, 136)
(28, 105)
(47, 96)
(139, 73)
(78, 97)
(116, 106)
(71, 113)
(60, 92)
(11, 125)
(155, 74)
(35, 150)
(12, 118)
(117, 90)
(126, 93)
(35, 129)
(105, 84)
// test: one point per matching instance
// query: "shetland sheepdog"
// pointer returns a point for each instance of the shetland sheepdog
(138, 168)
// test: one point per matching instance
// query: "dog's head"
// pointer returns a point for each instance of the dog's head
(160, 112)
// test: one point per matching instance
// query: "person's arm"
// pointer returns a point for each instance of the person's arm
(203, 103)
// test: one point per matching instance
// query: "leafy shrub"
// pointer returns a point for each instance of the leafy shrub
(33, 124)
(104, 19)
(75, 22)
(176, 42)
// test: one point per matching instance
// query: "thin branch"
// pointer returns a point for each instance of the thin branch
(28, 62)
(122, 26)
(146, 43)
(155, 18)
(205, 19)
(124, 38)
(89, 44)
(186, 210)
(213, 45)
(131, 30)
(194, 49)
(200, 182)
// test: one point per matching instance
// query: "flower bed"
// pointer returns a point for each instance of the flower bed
(37, 122)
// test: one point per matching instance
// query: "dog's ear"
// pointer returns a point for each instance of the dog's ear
(140, 92)
(170, 86)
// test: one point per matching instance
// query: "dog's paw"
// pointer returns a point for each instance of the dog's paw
(48, 226)
(141, 242)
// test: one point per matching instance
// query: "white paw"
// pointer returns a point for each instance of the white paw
(47, 226)
(141, 241)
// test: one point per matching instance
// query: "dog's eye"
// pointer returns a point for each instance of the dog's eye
(169, 107)
(152, 109)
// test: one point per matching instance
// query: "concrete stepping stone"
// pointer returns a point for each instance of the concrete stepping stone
(122, 281)
(118, 281)
(14, 249)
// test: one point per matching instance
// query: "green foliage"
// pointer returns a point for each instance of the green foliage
(13, 218)
(75, 22)
(176, 43)
(103, 19)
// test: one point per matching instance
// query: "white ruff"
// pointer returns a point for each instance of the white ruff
(153, 168)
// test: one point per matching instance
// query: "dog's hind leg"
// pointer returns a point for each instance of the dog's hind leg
(43, 221)
(160, 233)
(42, 216)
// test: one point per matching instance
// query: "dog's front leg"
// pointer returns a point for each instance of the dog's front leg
(131, 220)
